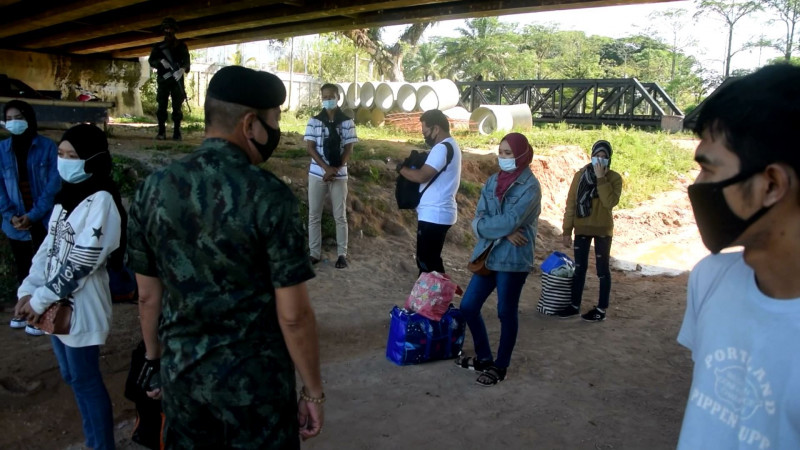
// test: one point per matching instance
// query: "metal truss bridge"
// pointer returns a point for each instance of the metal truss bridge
(623, 101)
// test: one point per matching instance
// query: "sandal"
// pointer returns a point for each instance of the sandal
(341, 263)
(472, 363)
(491, 376)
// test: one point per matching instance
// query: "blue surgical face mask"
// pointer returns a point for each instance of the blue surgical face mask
(16, 127)
(507, 164)
(71, 170)
(602, 161)
(329, 104)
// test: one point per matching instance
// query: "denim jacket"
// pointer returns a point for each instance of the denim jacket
(43, 178)
(497, 218)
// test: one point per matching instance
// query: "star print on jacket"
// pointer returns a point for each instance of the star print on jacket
(97, 232)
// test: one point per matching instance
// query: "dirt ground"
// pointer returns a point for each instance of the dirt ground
(620, 384)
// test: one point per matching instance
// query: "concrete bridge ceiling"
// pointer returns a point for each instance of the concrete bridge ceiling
(127, 28)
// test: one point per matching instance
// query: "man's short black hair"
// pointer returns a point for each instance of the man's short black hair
(435, 117)
(330, 86)
(758, 116)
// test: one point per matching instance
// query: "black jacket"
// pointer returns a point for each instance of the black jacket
(177, 54)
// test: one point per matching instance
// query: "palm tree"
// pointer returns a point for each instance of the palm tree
(482, 49)
(237, 58)
(422, 66)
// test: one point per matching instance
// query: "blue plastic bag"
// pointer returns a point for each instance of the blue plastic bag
(414, 339)
(556, 260)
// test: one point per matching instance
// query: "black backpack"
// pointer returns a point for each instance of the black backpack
(332, 145)
(407, 192)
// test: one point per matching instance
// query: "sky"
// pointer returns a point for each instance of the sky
(709, 34)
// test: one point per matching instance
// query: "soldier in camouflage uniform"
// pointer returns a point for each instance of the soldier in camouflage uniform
(222, 240)
(171, 61)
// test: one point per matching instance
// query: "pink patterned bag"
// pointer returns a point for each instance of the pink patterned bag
(431, 295)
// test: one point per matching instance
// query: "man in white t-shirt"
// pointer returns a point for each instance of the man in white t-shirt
(437, 210)
(742, 321)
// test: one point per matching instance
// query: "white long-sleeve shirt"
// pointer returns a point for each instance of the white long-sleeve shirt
(66, 266)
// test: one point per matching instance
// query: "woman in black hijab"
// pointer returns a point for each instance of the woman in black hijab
(28, 182)
(84, 234)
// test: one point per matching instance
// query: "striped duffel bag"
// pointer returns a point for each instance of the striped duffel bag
(556, 294)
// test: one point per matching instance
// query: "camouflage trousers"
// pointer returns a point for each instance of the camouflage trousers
(193, 424)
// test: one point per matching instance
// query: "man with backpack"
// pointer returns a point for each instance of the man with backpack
(329, 137)
(439, 179)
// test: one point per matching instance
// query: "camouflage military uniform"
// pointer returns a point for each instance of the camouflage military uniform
(221, 234)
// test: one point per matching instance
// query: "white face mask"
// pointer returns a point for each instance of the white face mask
(507, 164)
(602, 161)
(71, 170)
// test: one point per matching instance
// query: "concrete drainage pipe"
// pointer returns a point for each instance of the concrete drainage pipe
(368, 95)
(354, 95)
(491, 118)
(441, 94)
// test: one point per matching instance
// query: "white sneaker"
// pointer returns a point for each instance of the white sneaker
(33, 331)
(18, 322)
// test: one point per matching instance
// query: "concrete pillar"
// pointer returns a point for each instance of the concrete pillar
(671, 124)
(117, 81)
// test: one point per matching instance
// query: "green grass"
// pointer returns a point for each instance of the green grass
(135, 119)
(647, 160)
(127, 172)
(470, 189)
(194, 126)
(292, 153)
(182, 148)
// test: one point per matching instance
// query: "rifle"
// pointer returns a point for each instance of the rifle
(165, 51)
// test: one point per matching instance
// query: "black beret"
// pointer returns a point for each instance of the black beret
(247, 87)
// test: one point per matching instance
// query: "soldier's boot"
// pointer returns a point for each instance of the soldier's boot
(176, 133)
(162, 131)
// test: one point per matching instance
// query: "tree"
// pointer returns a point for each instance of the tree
(788, 12)
(673, 21)
(237, 58)
(541, 41)
(730, 11)
(422, 64)
(388, 58)
(482, 51)
(332, 57)
(578, 55)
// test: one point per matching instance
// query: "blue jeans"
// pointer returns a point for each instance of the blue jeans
(509, 287)
(80, 368)
(602, 252)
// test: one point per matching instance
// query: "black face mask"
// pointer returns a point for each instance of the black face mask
(429, 140)
(273, 138)
(719, 227)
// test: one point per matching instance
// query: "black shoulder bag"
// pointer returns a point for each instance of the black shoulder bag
(407, 192)
(332, 145)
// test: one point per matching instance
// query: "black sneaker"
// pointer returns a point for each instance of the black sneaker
(595, 315)
(566, 313)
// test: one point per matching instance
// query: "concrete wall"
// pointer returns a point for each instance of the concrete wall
(115, 81)
(304, 88)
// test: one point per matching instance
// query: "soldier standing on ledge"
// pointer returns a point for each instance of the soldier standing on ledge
(170, 58)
